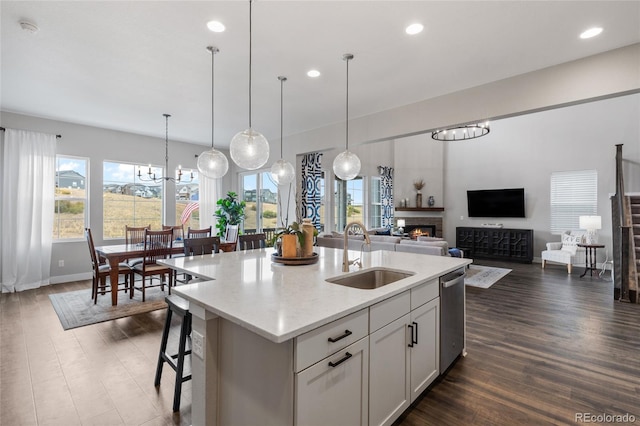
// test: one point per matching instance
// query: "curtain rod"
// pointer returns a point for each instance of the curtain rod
(57, 136)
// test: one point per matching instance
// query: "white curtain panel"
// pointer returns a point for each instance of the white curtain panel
(28, 184)
(210, 190)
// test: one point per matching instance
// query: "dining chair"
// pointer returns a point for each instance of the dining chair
(157, 245)
(134, 235)
(198, 233)
(102, 271)
(231, 234)
(197, 247)
(178, 231)
(252, 241)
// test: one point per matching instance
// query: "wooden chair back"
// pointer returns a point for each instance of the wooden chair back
(92, 251)
(157, 245)
(231, 234)
(178, 231)
(198, 233)
(135, 234)
(252, 241)
(203, 245)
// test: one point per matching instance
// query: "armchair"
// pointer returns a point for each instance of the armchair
(566, 251)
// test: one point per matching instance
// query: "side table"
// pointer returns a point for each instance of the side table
(590, 259)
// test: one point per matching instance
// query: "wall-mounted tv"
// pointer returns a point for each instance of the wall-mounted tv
(496, 202)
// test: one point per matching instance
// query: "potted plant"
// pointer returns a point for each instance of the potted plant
(230, 212)
(289, 237)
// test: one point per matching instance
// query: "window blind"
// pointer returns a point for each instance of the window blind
(573, 194)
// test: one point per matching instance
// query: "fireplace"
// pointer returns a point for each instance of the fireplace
(414, 231)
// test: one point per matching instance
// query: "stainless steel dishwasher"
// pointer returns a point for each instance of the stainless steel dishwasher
(451, 317)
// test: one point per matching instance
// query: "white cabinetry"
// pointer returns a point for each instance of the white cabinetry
(335, 390)
(404, 352)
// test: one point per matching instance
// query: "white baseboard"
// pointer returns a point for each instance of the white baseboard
(59, 279)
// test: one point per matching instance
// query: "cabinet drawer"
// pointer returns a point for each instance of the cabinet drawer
(317, 344)
(384, 312)
(424, 293)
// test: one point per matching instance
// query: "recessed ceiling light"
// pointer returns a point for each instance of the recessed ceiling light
(216, 26)
(591, 32)
(313, 73)
(414, 29)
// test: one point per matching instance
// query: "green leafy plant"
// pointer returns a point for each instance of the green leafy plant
(230, 212)
(294, 228)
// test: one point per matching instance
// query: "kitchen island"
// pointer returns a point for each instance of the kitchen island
(278, 344)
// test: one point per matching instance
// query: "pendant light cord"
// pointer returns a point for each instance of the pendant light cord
(166, 143)
(347, 57)
(282, 80)
(213, 53)
(250, 1)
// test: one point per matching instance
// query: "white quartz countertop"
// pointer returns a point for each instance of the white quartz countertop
(280, 302)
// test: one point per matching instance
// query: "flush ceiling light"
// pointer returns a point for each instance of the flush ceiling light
(591, 32)
(414, 29)
(460, 133)
(249, 149)
(216, 26)
(347, 164)
(282, 171)
(212, 163)
(313, 73)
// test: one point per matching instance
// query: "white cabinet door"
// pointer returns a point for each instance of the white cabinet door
(389, 372)
(425, 350)
(335, 390)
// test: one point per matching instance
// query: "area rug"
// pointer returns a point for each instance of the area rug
(76, 308)
(484, 276)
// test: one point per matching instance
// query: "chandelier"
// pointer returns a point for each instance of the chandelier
(151, 175)
(461, 133)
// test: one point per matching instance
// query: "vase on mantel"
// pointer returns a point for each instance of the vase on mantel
(419, 199)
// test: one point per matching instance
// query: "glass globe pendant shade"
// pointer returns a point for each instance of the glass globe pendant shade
(282, 172)
(346, 165)
(249, 149)
(213, 164)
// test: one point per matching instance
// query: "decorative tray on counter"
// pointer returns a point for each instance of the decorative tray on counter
(295, 260)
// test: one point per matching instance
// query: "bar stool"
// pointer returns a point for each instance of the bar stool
(180, 307)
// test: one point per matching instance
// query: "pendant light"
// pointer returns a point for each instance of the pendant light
(213, 163)
(346, 166)
(249, 149)
(282, 171)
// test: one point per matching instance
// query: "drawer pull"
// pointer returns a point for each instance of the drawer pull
(335, 339)
(341, 360)
(414, 332)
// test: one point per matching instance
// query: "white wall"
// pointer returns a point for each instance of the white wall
(523, 152)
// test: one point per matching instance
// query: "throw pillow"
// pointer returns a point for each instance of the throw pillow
(383, 232)
(570, 242)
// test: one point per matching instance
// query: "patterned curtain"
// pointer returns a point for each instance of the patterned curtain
(310, 191)
(386, 195)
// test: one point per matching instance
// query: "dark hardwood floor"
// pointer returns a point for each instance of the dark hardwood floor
(542, 346)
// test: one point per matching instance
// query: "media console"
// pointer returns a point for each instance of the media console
(496, 243)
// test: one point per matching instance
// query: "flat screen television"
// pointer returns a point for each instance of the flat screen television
(496, 202)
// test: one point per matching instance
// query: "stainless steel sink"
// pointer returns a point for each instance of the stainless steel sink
(371, 278)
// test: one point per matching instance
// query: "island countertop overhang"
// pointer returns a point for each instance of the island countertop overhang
(280, 302)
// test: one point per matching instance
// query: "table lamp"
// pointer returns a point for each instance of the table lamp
(400, 223)
(591, 224)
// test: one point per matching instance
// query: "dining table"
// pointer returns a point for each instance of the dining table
(121, 252)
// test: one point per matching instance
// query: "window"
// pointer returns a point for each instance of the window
(260, 193)
(71, 198)
(187, 199)
(348, 202)
(375, 213)
(573, 194)
(128, 200)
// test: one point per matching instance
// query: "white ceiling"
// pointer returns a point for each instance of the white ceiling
(122, 64)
